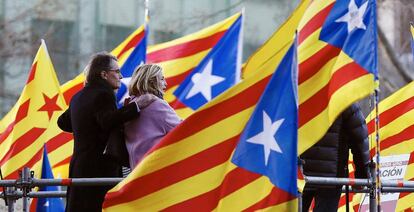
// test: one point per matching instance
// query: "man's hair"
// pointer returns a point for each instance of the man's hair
(146, 79)
(99, 62)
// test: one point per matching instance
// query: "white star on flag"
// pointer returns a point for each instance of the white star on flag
(354, 16)
(46, 204)
(204, 81)
(266, 137)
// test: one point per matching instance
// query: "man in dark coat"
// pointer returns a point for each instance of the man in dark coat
(329, 158)
(91, 116)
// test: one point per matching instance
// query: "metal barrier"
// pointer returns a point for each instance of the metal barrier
(26, 183)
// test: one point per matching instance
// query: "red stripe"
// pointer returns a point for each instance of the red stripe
(392, 113)
(400, 183)
(58, 141)
(216, 113)
(21, 143)
(7, 132)
(234, 180)
(314, 23)
(63, 162)
(276, 196)
(68, 94)
(318, 102)
(32, 73)
(23, 111)
(132, 43)
(313, 65)
(408, 210)
(185, 49)
(169, 175)
(177, 79)
(396, 139)
(177, 104)
(36, 157)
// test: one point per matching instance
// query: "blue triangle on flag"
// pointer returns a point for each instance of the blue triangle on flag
(48, 204)
(136, 58)
(268, 144)
(217, 72)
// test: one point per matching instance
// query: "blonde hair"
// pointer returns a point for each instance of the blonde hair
(146, 79)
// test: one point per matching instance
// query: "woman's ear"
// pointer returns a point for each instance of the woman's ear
(104, 75)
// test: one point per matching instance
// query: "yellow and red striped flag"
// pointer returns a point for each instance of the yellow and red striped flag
(191, 167)
(337, 62)
(396, 115)
(39, 106)
(180, 56)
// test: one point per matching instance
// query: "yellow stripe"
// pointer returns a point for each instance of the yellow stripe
(314, 8)
(394, 99)
(61, 171)
(396, 126)
(176, 193)
(178, 66)
(220, 26)
(246, 196)
(168, 155)
(310, 46)
(119, 48)
(404, 147)
(72, 83)
(184, 112)
(278, 43)
(61, 153)
(313, 130)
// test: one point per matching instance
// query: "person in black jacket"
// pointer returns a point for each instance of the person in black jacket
(329, 158)
(91, 116)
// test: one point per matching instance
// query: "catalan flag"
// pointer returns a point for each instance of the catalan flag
(181, 56)
(337, 62)
(396, 114)
(39, 106)
(181, 174)
(217, 72)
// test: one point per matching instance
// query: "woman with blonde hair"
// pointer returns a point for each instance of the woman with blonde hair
(156, 120)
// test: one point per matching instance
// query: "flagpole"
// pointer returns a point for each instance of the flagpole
(146, 11)
(377, 150)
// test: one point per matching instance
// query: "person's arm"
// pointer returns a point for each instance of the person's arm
(358, 139)
(64, 121)
(108, 117)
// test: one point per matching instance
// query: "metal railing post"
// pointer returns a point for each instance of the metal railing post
(25, 183)
(10, 191)
(372, 192)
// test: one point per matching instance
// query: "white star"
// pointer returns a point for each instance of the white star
(204, 81)
(354, 17)
(125, 81)
(266, 137)
(46, 204)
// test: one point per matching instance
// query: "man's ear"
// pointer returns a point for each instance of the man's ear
(104, 75)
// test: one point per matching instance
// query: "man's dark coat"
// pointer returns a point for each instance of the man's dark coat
(91, 116)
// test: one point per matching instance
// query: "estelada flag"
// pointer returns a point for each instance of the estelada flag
(39, 106)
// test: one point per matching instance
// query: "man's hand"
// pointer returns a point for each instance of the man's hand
(144, 100)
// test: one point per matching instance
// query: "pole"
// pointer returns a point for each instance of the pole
(26, 180)
(378, 150)
(346, 190)
(372, 193)
(10, 198)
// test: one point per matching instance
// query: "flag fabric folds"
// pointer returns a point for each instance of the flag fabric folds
(268, 144)
(180, 173)
(39, 105)
(217, 72)
(396, 114)
(337, 62)
(47, 204)
(181, 56)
